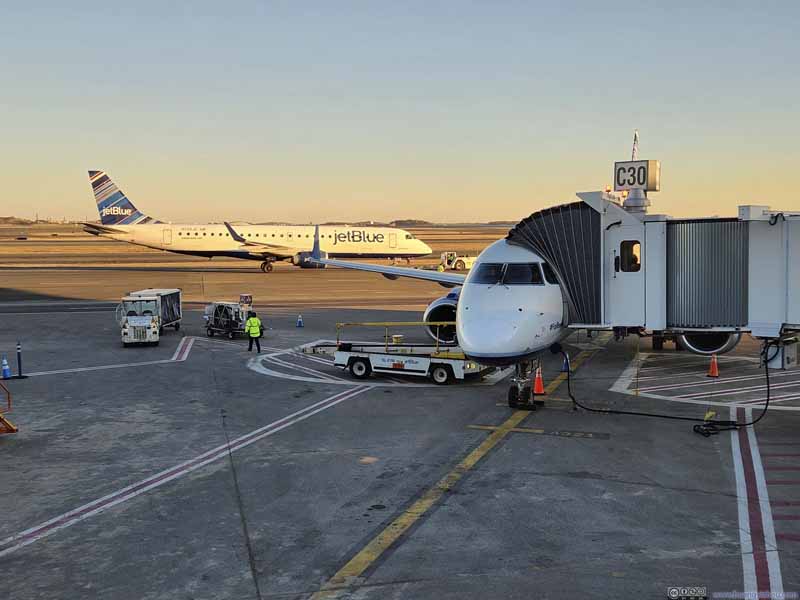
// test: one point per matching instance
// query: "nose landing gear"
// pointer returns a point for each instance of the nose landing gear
(266, 266)
(520, 394)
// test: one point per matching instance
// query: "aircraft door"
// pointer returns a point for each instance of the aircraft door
(392, 240)
(167, 236)
(624, 271)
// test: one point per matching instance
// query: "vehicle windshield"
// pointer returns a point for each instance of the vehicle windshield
(139, 308)
(507, 274)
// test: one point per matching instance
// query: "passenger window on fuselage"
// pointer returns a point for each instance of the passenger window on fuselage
(523, 274)
(549, 274)
(486, 273)
(630, 256)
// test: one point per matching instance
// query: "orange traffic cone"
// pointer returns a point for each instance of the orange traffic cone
(713, 369)
(538, 383)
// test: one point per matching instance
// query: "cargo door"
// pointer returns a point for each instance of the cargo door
(624, 271)
(167, 239)
(392, 240)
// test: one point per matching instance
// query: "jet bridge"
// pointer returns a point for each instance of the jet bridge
(708, 279)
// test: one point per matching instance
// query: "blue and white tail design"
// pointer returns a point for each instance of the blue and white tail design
(113, 205)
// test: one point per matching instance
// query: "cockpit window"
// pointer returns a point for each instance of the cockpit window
(490, 273)
(549, 274)
(410, 237)
(523, 274)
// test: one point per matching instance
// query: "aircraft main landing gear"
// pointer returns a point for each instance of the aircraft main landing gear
(266, 266)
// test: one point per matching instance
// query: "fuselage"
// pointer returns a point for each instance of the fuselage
(510, 308)
(279, 241)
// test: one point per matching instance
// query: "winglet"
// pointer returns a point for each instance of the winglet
(235, 235)
(315, 251)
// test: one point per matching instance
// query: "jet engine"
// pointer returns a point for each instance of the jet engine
(717, 342)
(443, 309)
(302, 260)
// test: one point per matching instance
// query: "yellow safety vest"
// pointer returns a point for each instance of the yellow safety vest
(253, 326)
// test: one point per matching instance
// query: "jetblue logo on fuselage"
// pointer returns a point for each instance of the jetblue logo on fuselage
(357, 236)
(116, 210)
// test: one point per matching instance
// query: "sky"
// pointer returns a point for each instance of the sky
(445, 111)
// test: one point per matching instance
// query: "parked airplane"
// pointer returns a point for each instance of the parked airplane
(121, 220)
(507, 310)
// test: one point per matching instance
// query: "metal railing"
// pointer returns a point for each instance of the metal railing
(387, 324)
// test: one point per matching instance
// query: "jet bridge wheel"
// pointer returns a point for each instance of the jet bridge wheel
(266, 266)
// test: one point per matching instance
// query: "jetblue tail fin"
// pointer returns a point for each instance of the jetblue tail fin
(113, 205)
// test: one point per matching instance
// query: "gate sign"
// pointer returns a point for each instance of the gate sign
(637, 175)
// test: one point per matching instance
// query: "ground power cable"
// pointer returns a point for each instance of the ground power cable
(705, 427)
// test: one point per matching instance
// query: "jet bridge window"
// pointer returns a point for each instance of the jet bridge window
(630, 256)
(486, 273)
(523, 274)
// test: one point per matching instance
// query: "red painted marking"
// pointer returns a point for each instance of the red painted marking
(792, 468)
(760, 443)
(783, 481)
(786, 517)
(788, 537)
(785, 503)
(753, 509)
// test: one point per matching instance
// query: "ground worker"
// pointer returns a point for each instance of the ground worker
(253, 330)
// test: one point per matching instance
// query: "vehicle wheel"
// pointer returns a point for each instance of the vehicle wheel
(268, 268)
(658, 342)
(231, 335)
(160, 331)
(513, 396)
(210, 332)
(360, 368)
(440, 374)
(177, 326)
(263, 267)
(460, 266)
(125, 344)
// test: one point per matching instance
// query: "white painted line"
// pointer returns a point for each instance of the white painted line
(306, 370)
(745, 539)
(67, 519)
(715, 382)
(622, 385)
(180, 355)
(770, 543)
(742, 390)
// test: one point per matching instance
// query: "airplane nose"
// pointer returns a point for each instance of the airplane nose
(496, 335)
(425, 248)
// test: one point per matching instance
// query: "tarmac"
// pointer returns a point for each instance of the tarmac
(137, 471)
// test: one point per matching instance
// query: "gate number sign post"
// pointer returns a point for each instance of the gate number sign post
(637, 175)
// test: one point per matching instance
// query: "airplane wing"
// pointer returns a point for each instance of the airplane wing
(444, 279)
(263, 247)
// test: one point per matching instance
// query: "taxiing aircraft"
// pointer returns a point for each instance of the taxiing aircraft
(121, 220)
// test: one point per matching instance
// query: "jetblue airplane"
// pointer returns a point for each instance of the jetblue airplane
(121, 220)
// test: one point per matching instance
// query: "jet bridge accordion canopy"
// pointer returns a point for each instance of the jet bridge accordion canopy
(568, 237)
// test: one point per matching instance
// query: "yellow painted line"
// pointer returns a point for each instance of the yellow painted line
(356, 566)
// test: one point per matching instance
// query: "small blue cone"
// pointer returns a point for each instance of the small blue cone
(565, 366)
(6, 368)
(299, 321)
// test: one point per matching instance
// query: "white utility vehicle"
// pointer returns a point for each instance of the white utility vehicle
(452, 261)
(441, 364)
(143, 315)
